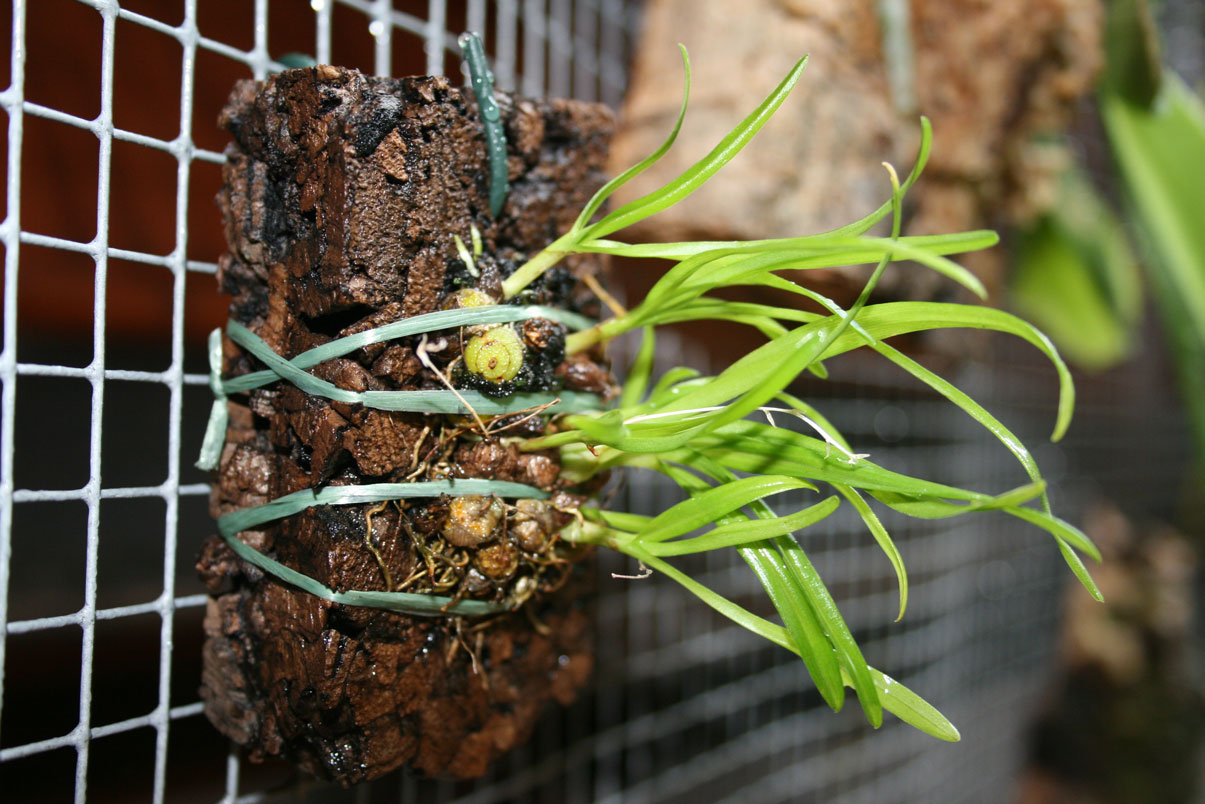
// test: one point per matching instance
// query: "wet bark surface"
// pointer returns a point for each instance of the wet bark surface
(342, 195)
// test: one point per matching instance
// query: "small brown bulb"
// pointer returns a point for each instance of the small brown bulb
(532, 525)
(473, 519)
(498, 561)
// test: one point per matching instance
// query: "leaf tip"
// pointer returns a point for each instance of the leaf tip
(796, 71)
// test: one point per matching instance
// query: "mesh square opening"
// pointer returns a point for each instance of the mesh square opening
(59, 180)
(130, 553)
(142, 199)
(41, 685)
(52, 434)
(55, 303)
(138, 316)
(63, 38)
(44, 776)
(47, 567)
(134, 449)
(125, 668)
(146, 101)
(119, 766)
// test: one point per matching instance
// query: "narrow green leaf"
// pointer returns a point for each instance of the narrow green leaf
(642, 368)
(1079, 570)
(773, 364)
(801, 620)
(922, 158)
(808, 587)
(881, 321)
(952, 243)
(805, 631)
(701, 171)
(635, 170)
(706, 507)
(749, 446)
(621, 519)
(743, 532)
(808, 580)
(875, 526)
(913, 709)
(1063, 531)
(932, 508)
(896, 698)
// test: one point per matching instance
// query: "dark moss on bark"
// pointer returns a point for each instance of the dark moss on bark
(342, 195)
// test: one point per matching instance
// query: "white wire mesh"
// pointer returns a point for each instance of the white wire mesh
(684, 706)
(391, 29)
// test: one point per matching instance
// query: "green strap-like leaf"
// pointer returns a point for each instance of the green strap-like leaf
(694, 176)
(913, 709)
(896, 318)
(746, 531)
(605, 192)
(875, 526)
(807, 584)
(806, 633)
(705, 507)
(640, 371)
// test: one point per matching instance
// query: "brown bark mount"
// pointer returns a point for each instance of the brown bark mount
(342, 195)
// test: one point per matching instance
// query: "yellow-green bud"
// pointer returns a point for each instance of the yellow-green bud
(468, 297)
(497, 355)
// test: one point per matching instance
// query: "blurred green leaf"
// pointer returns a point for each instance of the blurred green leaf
(1133, 64)
(1160, 151)
(1076, 278)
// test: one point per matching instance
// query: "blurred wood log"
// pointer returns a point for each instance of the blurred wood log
(991, 76)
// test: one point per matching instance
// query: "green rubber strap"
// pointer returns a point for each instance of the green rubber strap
(229, 525)
(416, 325)
(294, 60)
(215, 430)
(408, 401)
(491, 117)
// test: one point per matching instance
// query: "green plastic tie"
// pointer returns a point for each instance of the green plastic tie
(491, 117)
(445, 402)
(215, 430)
(416, 325)
(294, 61)
(229, 525)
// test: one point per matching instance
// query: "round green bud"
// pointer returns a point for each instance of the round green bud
(497, 354)
(468, 297)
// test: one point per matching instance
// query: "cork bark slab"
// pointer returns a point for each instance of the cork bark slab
(341, 196)
(994, 78)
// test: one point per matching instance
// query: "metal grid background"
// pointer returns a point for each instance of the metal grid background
(99, 648)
